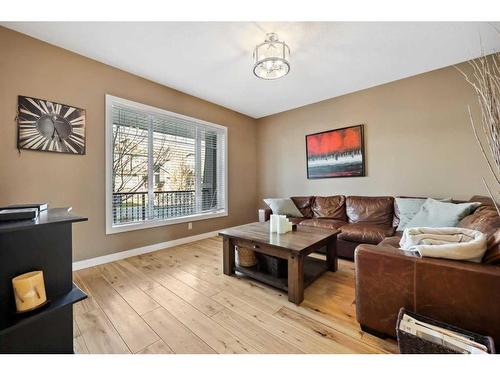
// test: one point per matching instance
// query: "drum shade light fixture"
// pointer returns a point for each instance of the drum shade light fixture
(271, 58)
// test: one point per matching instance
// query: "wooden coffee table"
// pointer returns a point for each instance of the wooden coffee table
(293, 246)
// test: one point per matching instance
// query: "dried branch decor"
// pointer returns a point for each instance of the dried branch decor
(485, 80)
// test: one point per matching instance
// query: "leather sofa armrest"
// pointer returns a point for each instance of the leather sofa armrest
(464, 294)
(387, 250)
(264, 214)
(385, 279)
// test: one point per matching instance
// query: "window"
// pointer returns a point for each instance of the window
(161, 167)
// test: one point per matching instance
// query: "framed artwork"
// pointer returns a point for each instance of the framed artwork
(43, 125)
(336, 153)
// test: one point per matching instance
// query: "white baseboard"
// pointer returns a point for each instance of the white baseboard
(86, 263)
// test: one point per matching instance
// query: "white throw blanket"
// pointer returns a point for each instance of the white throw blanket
(449, 243)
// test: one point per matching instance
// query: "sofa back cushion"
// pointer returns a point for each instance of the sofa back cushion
(332, 207)
(373, 210)
(492, 254)
(485, 219)
(304, 204)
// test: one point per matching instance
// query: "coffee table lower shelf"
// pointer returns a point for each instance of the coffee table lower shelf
(313, 268)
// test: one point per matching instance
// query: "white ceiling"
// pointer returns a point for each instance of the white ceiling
(213, 60)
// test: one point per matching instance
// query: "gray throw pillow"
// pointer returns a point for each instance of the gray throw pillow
(283, 206)
(408, 208)
(436, 214)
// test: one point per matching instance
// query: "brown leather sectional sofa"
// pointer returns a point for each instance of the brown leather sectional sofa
(461, 293)
(361, 219)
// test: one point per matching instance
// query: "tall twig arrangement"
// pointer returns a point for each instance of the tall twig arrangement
(485, 80)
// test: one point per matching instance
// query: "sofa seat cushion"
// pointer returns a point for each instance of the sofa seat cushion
(329, 208)
(323, 223)
(366, 232)
(392, 241)
(373, 210)
(304, 204)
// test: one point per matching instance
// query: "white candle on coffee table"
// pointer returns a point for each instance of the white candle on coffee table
(272, 223)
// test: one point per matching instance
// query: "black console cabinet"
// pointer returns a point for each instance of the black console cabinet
(44, 244)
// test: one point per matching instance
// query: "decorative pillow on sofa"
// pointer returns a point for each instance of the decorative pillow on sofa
(283, 206)
(407, 208)
(436, 214)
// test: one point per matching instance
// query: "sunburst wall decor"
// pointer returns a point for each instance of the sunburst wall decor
(44, 125)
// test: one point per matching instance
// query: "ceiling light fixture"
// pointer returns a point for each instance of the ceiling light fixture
(271, 58)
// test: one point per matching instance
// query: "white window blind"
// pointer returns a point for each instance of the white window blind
(163, 167)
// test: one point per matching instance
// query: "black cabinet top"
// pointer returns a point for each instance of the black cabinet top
(47, 217)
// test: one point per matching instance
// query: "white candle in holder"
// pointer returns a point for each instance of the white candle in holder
(272, 223)
(279, 226)
(283, 225)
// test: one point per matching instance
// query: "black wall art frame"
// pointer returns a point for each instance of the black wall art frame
(44, 125)
(336, 153)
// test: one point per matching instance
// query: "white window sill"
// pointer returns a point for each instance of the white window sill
(158, 223)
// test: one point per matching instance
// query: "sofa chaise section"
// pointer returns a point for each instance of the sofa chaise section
(460, 293)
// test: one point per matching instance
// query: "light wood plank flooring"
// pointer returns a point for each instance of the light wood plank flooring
(178, 300)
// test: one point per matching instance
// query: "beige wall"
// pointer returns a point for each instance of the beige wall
(33, 68)
(417, 136)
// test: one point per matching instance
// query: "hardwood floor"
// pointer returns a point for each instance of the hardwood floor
(178, 300)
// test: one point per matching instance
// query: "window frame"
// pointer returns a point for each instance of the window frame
(152, 223)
